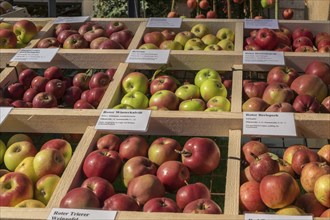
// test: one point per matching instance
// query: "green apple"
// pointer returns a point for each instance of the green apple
(62, 145)
(192, 105)
(3, 149)
(200, 30)
(26, 167)
(212, 47)
(226, 45)
(48, 161)
(25, 30)
(170, 45)
(204, 74)
(187, 91)
(194, 44)
(211, 88)
(210, 39)
(45, 187)
(219, 101)
(183, 37)
(6, 25)
(30, 203)
(17, 152)
(17, 138)
(136, 99)
(226, 34)
(123, 106)
(214, 109)
(148, 46)
(135, 81)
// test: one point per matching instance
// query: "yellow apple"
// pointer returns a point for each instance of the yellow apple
(17, 138)
(45, 187)
(17, 152)
(30, 203)
(290, 210)
(26, 167)
(3, 149)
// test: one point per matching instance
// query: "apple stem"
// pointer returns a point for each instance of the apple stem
(183, 153)
(89, 72)
(254, 156)
(186, 182)
(229, 9)
(251, 9)
(172, 5)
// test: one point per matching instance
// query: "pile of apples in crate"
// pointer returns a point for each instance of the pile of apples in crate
(5, 7)
(198, 38)
(91, 34)
(297, 40)
(285, 90)
(295, 184)
(207, 92)
(17, 35)
(146, 174)
(29, 174)
(83, 90)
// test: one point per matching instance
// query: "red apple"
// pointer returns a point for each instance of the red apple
(310, 204)
(168, 34)
(191, 192)
(56, 88)
(164, 82)
(191, 4)
(75, 41)
(15, 91)
(302, 157)
(7, 39)
(39, 83)
(26, 76)
(164, 98)
(99, 79)
(53, 72)
(311, 172)
(254, 89)
(280, 107)
(121, 202)
(114, 26)
(277, 92)
(254, 104)
(202, 206)
(48, 42)
(287, 13)
(306, 103)
(320, 69)
(263, 165)
(82, 104)
(282, 75)
(299, 32)
(21, 104)
(161, 204)
(255, 147)
(64, 34)
(204, 4)
(249, 197)
(82, 80)
(123, 37)
(304, 49)
(133, 145)
(61, 27)
(290, 151)
(301, 41)
(109, 141)
(100, 187)
(155, 37)
(71, 96)
(109, 44)
(80, 198)
(93, 34)
(266, 39)
(44, 100)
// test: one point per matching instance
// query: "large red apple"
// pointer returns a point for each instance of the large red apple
(266, 39)
(161, 204)
(309, 204)
(121, 202)
(109, 141)
(249, 197)
(282, 75)
(311, 172)
(320, 69)
(44, 100)
(163, 82)
(132, 146)
(191, 192)
(306, 103)
(101, 187)
(277, 92)
(263, 165)
(80, 198)
(254, 89)
(302, 157)
(202, 206)
(255, 147)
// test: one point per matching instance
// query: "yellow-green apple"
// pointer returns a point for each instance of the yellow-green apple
(7, 39)
(18, 138)
(249, 197)
(309, 204)
(212, 47)
(163, 149)
(101, 187)
(277, 92)
(210, 39)
(212, 87)
(170, 45)
(16, 153)
(30, 203)
(306, 103)
(226, 33)
(254, 104)
(104, 163)
(80, 198)
(301, 157)
(133, 145)
(45, 186)
(164, 98)
(291, 150)
(173, 175)
(26, 167)
(263, 165)
(204, 74)
(163, 82)
(200, 155)
(320, 69)
(48, 161)
(253, 147)
(168, 34)
(14, 188)
(254, 89)
(121, 202)
(322, 190)
(282, 75)
(214, 109)
(3, 149)
(301, 41)
(200, 30)
(226, 45)
(187, 91)
(6, 25)
(279, 190)
(135, 81)
(191, 192)
(25, 30)
(162, 204)
(192, 105)
(266, 4)
(95, 44)
(148, 46)
(122, 106)
(299, 31)
(145, 187)
(219, 101)
(326, 213)
(136, 99)
(266, 39)
(75, 41)
(137, 166)
(290, 210)
(62, 145)
(183, 37)
(108, 141)
(203, 206)
(324, 153)
(48, 42)
(155, 37)
(194, 44)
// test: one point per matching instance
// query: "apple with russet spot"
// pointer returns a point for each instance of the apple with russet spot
(200, 30)
(194, 44)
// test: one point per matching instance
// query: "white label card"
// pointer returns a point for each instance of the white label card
(253, 216)
(35, 55)
(269, 123)
(78, 19)
(80, 214)
(148, 56)
(164, 23)
(4, 112)
(123, 120)
(263, 57)
(261, 23)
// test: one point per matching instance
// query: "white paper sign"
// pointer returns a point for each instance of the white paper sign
(253, 216)
(40, 55)
(263, 57)
(261, 23)
(148, 56)
(78, 19)
(269, 123)
(123, 120)
(80, 214)
(164, 23)
(4, 112)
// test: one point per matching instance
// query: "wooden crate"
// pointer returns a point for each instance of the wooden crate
(18, 12)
